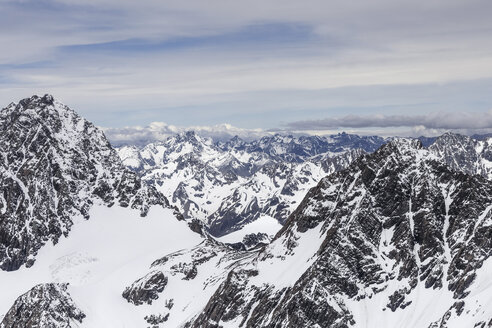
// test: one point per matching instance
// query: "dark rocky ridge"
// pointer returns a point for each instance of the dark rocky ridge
(45, 305)
(146, 289)
(401, 192)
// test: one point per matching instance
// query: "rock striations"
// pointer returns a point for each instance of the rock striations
(375, 245)
(45, 305)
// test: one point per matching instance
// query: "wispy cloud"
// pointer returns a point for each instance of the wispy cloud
(265, 35)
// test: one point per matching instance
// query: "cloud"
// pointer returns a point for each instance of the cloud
(133, 62)
(265, 34)
(443, 121)
(159, 131)
(383, 125)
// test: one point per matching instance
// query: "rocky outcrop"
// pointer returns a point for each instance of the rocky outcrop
(45, 305)
(146, 289)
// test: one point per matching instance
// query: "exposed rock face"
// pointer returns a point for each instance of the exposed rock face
(192, 274)
(394, 224)
(465, 154)
(47, 306)
(53, 166)
(251, 241)
(146, 289)
(254, 239)
(156, 319)
(296, 150)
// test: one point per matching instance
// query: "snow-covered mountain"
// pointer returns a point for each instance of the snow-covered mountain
(396, 240)
(465, 154)
(230, 184)
(72, 213)
(275, 190)
(54, 166)
(227, 185)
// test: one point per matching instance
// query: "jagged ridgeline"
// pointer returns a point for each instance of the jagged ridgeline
(227, 185)
(398, 239)
(54, 165)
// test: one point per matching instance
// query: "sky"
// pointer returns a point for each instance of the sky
(148, 68)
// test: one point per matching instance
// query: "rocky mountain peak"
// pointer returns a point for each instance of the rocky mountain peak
(40, 107)
(235, 143)
(187, 142)
(451, 140)
(463, 153)
(54, 165)
(402, 145)
(189, 136)
(38, 101)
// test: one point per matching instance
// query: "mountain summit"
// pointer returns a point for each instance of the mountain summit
(54, 165)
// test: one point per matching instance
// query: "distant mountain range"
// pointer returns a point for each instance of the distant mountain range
(230, 184)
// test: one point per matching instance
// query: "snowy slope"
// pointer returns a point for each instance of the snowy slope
(263, 224)
(99, 258)
(192, 276)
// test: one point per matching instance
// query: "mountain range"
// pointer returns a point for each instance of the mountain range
(230, 184)
(362, 231)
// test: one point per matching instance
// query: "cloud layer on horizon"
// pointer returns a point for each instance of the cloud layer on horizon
(429, 125)
(160, 131)
(441, 120)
